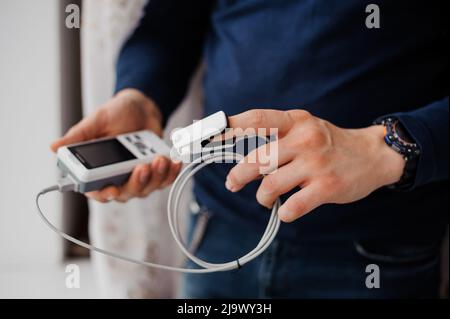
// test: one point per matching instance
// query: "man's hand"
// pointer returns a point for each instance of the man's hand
(328, 163)
(127, 111)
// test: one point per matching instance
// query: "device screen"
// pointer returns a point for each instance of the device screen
(101, 153)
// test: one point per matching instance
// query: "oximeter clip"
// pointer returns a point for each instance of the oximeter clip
(193, 140)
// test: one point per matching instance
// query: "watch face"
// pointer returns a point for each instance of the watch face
(402, 133)
(398, 138)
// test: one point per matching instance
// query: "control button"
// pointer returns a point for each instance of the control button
(140, 145)
(128, 139)
(137, 136)
(143, 152)
(152, 150)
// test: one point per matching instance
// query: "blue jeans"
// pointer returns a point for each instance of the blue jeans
(331, 269)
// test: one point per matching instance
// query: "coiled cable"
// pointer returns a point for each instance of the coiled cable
(173, 214)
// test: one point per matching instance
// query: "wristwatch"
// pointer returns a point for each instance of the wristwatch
(400, 140)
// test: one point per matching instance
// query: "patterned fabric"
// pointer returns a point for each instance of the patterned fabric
(138, 228)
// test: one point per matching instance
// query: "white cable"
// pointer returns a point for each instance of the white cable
(173, 214)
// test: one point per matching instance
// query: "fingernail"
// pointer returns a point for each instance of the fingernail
(110, 198)
(229, 185)
(144, 177)
(285, 215)
(176, 161)
(162, 166)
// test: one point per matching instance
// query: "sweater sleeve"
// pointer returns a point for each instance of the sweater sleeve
(428, 126)
(160, 56)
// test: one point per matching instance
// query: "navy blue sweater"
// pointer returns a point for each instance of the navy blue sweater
(316, 55)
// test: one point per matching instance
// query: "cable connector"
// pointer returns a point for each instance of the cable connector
(66, 184)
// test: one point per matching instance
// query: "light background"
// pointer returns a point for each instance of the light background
(30, 254)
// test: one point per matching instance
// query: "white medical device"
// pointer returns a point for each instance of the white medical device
(92, 165)
(190, 140)
(96, 164)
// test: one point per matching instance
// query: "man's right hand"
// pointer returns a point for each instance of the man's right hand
(129, 110)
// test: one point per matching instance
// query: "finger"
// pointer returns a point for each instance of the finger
(301, 203)
(230, 133)
(266, 119)
(84, 130)
(262, 160)
(105, 195)
(280, 182)
(136, 183)
(174, 170)
(160, 167)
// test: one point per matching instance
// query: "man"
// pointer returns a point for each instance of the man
(363, 148)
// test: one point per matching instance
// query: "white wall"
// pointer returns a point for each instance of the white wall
(29, 120)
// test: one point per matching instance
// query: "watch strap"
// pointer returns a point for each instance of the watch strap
(409, 150)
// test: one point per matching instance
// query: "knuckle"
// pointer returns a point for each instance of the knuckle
(100, 112)
(142, 195)
(257, 118)
(320, 162)
(269, 184)
(330, 183)
(74, 129)
(314, 137)
(101, 116)
(233, 176)
(299, 115)
(296, 143)
(297, 206)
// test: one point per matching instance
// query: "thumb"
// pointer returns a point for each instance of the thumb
(84, 130)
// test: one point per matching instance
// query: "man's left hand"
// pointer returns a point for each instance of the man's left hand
(329, 164)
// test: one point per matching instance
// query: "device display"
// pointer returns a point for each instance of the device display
(102, 153)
